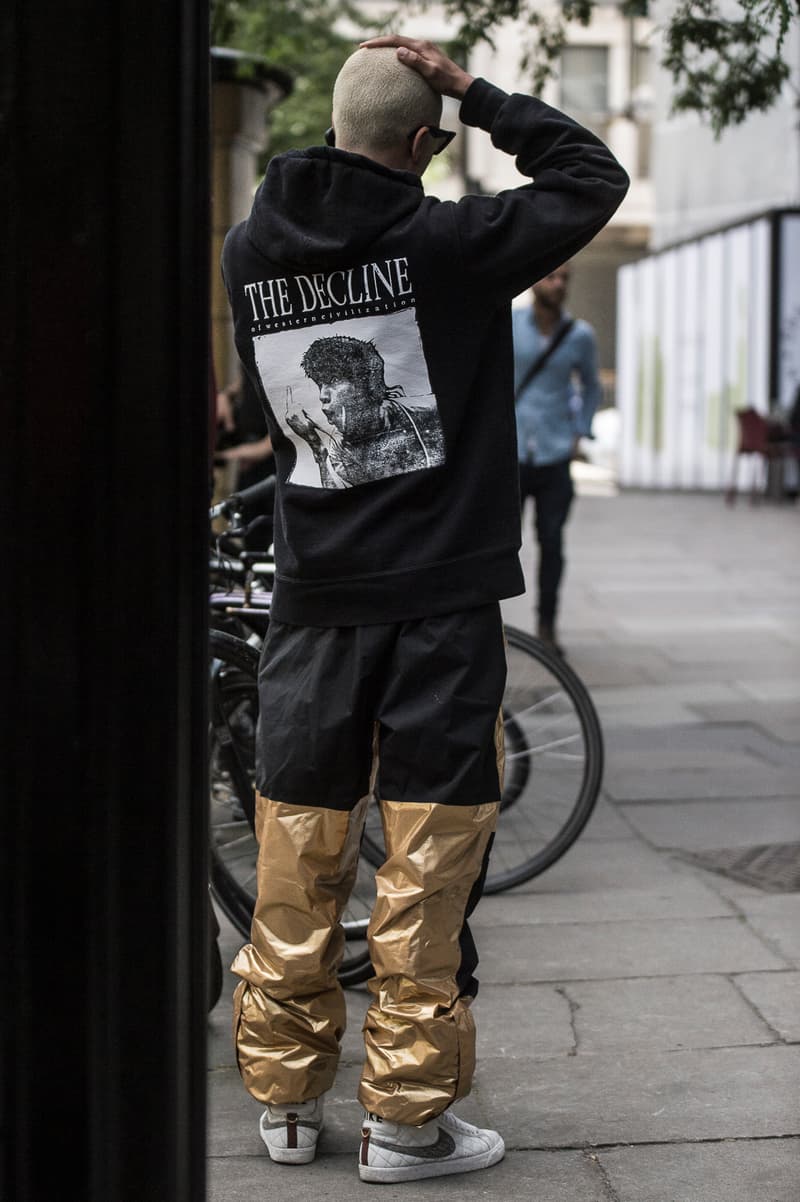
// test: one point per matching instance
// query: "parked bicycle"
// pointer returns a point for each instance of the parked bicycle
(553, 754)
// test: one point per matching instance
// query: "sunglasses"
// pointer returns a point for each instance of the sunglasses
(443, 137)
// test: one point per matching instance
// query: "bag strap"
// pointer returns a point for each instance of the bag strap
(542, 358)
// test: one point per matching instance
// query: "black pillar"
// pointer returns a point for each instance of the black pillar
(104, 128)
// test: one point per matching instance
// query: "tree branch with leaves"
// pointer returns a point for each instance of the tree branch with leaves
(724, 64)
(728, 68)
(727, 58)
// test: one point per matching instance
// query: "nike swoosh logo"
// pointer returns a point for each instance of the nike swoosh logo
(445, 1145)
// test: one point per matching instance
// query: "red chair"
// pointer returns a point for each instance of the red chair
(765, 438)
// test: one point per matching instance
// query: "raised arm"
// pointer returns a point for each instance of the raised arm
(522, 234)
(512, 239)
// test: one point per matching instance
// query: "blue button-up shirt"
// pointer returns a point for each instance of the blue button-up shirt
(560, 401)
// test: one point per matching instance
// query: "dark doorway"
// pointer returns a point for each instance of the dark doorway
(104, 126)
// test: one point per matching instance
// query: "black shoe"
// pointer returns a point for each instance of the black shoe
(546, 634)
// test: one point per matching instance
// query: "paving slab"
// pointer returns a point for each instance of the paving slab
(712, 622)
(545, 1176)
(766, 1170)
(662, 1014)
(219, 1042)
(605, 823)
(656, 589)
(626, 666)
(618, 864)
(779, 688)
(776, 996)
(232, 1116)
(586, 951)
(760, 648)
(773, 905)
(658, 755)
(616, 712)
(777, 919)
(675, 897)
(647, 1097)
(702, 825)
(690, 745)
(722, 776)
(358, 1001)
(728, 669)
(530, 1020)
(779, 719)
(726, 887)
(707, 692)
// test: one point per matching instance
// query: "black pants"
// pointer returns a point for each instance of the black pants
(410, 712)
(550, 485)
(417, 700)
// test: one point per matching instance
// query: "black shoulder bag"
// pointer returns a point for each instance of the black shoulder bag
(542, 358)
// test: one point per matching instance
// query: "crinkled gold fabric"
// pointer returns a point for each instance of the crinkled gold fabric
(289, 1010)
(419, 1034)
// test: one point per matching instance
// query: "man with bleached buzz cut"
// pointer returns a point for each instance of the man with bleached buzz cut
(383, 669)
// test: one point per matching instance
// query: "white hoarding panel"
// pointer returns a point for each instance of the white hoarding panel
(689, 366)
(694, 347)
(667, 455)
(712, 285)
(650, 390)
(627, 370)
(760, 268)
(789, 313)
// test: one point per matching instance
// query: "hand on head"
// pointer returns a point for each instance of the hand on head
(443, 75)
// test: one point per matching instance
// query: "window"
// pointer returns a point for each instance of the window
(584, 79)
(640, 68)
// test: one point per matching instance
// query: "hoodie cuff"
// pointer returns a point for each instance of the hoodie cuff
(481, 104)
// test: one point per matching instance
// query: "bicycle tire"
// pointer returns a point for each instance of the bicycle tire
(232, 844)
(535, 828)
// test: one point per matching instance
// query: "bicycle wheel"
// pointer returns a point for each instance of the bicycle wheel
(233, 849)
(554, 766)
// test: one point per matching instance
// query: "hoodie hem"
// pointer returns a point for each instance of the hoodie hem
(400, 596)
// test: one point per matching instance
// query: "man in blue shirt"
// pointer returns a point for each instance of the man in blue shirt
(557, 393)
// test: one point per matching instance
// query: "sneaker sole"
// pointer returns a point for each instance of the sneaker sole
(444, 1168)
(291, 1155)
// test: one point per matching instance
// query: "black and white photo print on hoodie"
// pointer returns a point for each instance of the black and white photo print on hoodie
(353, 395)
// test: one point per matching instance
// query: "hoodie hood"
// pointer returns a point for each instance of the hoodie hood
(324, 207)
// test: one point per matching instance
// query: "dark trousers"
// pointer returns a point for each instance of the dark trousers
(415, 702)
(410, 712)
(550, 485)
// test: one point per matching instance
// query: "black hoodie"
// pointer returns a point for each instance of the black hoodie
(376, 323)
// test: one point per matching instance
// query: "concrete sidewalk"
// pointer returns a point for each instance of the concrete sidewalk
(639, 1011)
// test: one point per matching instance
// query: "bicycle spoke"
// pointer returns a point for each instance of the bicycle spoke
(545, 747)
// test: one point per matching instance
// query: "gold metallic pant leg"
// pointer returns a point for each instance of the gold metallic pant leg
(419, 1034)
(289, 1010)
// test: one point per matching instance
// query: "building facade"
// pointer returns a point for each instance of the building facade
(709, 322)
(603, 80)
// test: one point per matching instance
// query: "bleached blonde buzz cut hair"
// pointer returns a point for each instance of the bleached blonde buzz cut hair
(377, 101)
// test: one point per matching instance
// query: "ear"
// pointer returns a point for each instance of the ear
(418, 152)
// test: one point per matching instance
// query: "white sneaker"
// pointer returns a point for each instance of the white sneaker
(446, 1144)
(291, 1130)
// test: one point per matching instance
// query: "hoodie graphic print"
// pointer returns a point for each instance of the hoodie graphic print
(340, 357)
